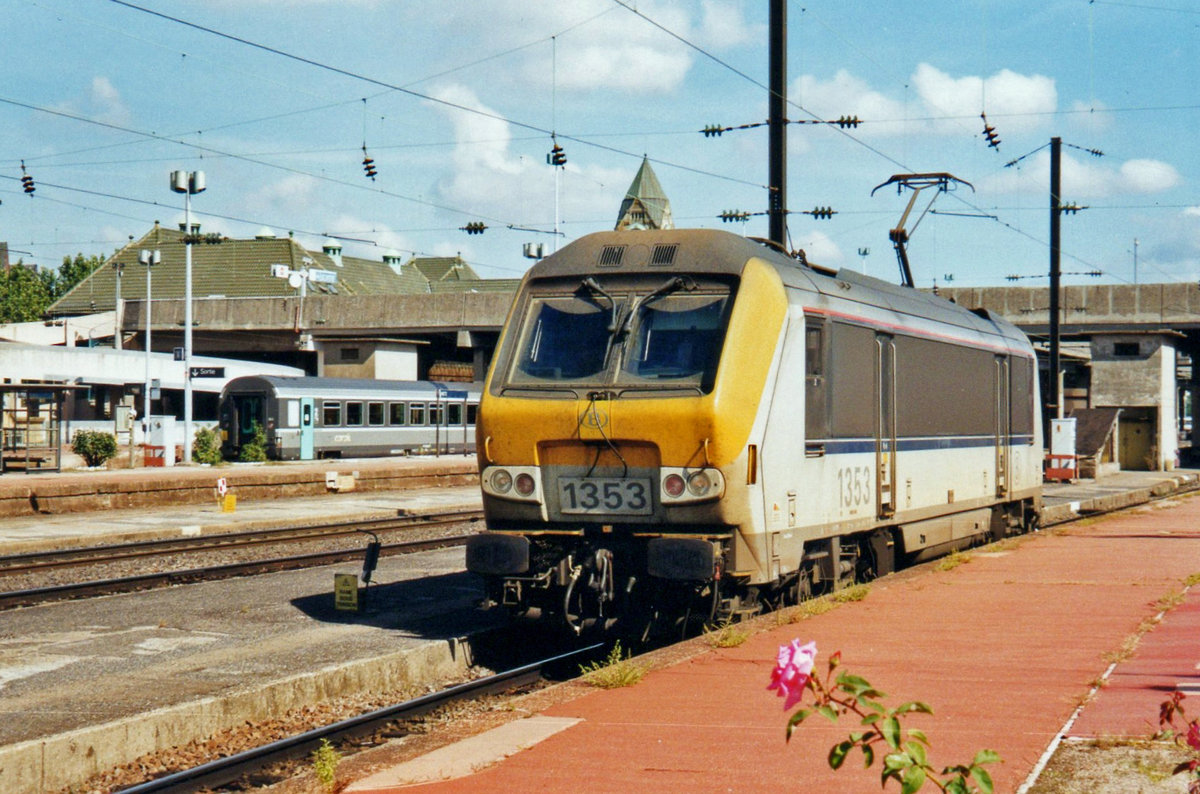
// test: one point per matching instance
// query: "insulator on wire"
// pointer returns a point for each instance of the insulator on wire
(368, 164)
(989, 132)
(27, 181)
(474, 227)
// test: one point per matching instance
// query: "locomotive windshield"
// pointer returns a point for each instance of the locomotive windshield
(665, 334)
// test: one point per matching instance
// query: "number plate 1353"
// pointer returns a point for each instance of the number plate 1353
(604, 495)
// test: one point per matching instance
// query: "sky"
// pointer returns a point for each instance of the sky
(458, 102)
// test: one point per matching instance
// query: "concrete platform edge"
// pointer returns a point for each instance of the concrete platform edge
(71, 758)
(1177, 484)
(214, 528)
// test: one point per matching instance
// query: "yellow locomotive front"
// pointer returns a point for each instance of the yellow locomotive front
(615, 434)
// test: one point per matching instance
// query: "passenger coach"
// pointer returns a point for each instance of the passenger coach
(306, 418)
(690, 421)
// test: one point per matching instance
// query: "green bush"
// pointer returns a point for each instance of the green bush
(94, 446)
(206, 446)
(256, 450)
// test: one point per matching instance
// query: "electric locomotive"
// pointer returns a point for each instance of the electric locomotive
(689, 422)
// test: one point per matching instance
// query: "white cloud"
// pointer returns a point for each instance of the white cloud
(291, 196)
(1021, 98)
(818, 247)
(1147, 176)
(600, 45)
(723, 25)
(1086, 179)
(493, 180)
(101, 102)
(847, 95)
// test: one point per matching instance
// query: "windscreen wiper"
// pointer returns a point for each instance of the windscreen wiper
(672, 285)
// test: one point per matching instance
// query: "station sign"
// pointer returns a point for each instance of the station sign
(207, 372)
(451, 394)
(322, 276)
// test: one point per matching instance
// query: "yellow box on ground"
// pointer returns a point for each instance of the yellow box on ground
(345, 591)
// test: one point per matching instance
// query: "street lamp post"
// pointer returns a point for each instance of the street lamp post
(187, 183)
(149, 259)
(118, 266)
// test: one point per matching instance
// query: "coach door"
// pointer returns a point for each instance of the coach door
(885, 425)
(1003, 426)
(307, 451)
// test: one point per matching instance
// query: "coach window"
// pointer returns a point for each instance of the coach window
(416, 413)
(331, 413)
(397, 413)
(435, 413)
(472, 413)
(374, 414)
(454, 414)
(354, 414)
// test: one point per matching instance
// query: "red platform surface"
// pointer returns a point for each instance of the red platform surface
(1004, 648)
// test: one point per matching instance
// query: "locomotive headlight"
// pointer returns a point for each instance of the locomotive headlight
(682, 486)
(699, 484)
(514, 483)
(501, 481)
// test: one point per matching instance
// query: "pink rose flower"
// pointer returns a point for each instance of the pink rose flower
(1193, 736)
(792, 671)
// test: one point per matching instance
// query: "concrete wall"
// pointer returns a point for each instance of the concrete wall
(374, 359)
(330, 315)
(1146, 379)
(1089, 306)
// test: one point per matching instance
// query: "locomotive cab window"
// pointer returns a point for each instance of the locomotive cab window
(677, 338)
(331, 413)
(644, 332)
(565, 338)
(816, 413)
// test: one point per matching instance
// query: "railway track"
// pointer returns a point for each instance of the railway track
(224, 771)
(235, 542)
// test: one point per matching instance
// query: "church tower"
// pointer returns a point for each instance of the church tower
(645, 205)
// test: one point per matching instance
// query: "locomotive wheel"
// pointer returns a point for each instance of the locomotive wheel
(797, 590)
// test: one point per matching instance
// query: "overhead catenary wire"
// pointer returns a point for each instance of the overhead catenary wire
(417, 94)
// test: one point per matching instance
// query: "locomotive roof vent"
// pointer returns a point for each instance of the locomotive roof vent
(611, 256)
(663, 255)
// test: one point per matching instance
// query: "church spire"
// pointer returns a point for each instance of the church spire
(646, 206)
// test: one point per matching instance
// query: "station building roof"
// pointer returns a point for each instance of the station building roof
(225, 267)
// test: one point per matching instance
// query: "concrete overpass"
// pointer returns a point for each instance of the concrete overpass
(1135, 343)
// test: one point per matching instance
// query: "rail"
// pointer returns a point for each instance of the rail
(226, 770)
